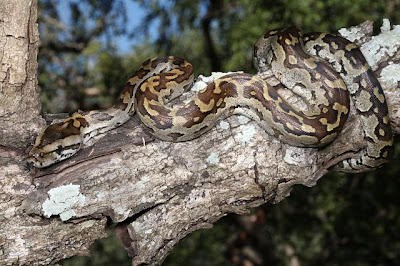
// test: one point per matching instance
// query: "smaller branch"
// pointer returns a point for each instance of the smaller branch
(215, 10)
(77, 44)
(57, 23)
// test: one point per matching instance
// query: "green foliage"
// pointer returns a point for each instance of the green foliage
(68, 50)
(104, 252)
(204, 247)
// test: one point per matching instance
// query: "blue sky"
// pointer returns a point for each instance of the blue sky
(135, 14)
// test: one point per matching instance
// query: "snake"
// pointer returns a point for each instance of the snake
(329, 68)
(367, 95)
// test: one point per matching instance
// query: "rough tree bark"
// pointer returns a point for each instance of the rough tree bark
(157, 192)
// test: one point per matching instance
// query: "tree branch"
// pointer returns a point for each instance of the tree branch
(158, 192)
(215, 10)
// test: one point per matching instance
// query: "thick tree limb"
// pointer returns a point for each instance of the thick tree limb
(158, 192)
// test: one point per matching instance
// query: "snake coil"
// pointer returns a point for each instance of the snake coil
(328, 67)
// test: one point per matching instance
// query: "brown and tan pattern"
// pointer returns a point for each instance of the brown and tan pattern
(220, 98)
(367, 96)
(161, 79)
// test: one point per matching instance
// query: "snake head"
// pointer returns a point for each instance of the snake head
(265, 48)
(55, 143)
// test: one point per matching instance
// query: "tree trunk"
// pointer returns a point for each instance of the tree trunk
(19, 93)
(156, 192)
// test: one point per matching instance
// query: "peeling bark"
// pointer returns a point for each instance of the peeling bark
(156, 192)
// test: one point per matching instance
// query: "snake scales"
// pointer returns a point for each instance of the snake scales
(329, 67)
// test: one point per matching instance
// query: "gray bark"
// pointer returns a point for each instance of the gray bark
(157, 192)
(18, 82)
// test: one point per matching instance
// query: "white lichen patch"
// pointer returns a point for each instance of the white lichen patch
(352, 34)
(247, 134)
(217, 75)
(65, 216)
(213, 158)
(382, 46)
(62, 200)
(199, 84)
(100, 195)
(243, 119)
(203, 81)
(224, 125)
(391, 74)
(385, 25)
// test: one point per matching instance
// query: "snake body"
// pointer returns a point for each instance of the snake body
(367, 95)
(161, 79)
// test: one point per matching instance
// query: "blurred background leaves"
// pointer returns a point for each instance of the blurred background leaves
(88, 50)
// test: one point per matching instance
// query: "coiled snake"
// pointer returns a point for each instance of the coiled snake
(329, 67)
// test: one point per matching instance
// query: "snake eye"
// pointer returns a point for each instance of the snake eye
(41, 154)
(59, 150)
